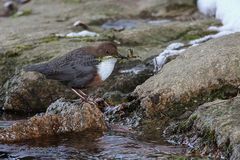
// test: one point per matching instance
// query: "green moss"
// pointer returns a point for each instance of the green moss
(47, 39)
(25, 12)
(209, 136)
(17, 50)
(191, 102)
(88, 39)
(83, 39)
(10, 61)
(196, 34)
(190, 37)
(179, 7)
(186, 125)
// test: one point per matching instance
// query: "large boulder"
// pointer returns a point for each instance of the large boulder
(32, 92)
(201, 74)
(61, 117)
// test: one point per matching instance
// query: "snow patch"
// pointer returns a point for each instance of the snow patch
(84, 33)
(173, 49)
(208, 37)
(225, 10)
(135, 70)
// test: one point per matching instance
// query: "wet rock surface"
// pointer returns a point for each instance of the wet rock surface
(61, 117)
(201, 74)
(212, 127)
(32, 92)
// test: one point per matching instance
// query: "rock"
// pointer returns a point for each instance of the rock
(148, 40)
(202, 74)
(215, 126)
(8, 8)
(32, 92)
(61, 117)
(236, 153)
(38, 44)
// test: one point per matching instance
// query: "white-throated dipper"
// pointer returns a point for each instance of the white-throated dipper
(81, 68)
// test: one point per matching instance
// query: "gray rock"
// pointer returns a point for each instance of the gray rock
(236, 153)
(8, 8)
(202, 74)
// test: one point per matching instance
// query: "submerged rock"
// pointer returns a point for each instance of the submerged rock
(32, 92)
(201, 74)
(61, 117)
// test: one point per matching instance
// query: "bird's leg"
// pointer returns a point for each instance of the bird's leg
(101, 101)
(88, 98)
(83, 96)
(80, 95)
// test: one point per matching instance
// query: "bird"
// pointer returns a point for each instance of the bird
(81, 68)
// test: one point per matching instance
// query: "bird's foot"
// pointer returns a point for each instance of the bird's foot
(101, 103)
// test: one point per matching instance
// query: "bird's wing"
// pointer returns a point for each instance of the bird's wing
(71, 66)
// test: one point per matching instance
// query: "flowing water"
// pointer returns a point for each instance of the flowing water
(91, 146)
(117, 144)
(110, 146)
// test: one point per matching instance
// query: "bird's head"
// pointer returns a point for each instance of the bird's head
(108, 49)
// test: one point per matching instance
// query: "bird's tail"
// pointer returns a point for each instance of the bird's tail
(36, 67)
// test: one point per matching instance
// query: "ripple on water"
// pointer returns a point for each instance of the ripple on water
(87, 146)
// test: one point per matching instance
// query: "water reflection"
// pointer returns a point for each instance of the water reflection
(111, 145)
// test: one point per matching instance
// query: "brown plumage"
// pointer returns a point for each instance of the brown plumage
(78, 68)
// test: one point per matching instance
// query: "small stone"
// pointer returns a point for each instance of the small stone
(80, 24)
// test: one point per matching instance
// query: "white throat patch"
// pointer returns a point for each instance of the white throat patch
(105, 67)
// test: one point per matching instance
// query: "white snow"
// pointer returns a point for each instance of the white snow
(225, 10)
(135, 70)
(84, 33)
(172, 50)
(207, 7)
(174, 46)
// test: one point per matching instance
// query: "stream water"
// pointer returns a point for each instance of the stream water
(93, 145)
